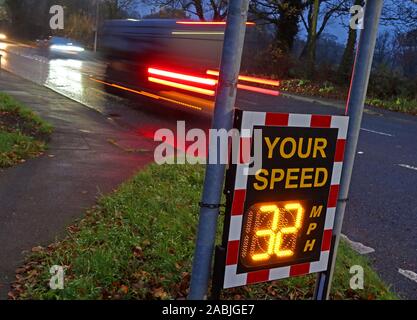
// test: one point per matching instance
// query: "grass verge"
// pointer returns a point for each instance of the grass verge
(329, 90)
(138, 243)
(23, 134)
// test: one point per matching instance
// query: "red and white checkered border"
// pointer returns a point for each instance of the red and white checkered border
(249, 120)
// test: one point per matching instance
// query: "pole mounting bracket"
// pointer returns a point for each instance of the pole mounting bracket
(211, 205)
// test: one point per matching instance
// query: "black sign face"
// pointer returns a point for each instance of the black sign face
(286, 200)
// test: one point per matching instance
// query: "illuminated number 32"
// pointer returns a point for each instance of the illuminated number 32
(276, 235)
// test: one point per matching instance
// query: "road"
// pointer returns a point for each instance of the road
(381, 213)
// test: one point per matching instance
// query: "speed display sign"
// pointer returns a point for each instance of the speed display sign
(279, 219)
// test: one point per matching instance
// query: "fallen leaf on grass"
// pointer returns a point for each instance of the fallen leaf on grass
(20, 270)
(271, 291)
(159, 293)
(73, 229)
(183, 287)
(11, 296)
(106, 294)
(52, 247)
(124, 289)
(141, 275)
(138, 252)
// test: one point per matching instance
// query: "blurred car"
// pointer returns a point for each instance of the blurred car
(60, 47)
(171, 62)
(163, 60)
(41, 43)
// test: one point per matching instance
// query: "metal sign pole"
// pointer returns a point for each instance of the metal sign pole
(223, 117)
(355, 106)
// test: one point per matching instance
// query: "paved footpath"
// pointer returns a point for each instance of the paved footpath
(42, 196)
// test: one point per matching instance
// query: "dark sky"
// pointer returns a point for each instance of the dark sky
(336, 26)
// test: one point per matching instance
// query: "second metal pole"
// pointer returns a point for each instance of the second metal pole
(355, 106)
(223, 118)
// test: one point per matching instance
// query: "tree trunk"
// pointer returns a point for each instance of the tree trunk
(287, 24)
(346, 65)
(309, 52)
(199, 9)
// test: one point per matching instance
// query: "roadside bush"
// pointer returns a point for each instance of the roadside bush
(384, 84)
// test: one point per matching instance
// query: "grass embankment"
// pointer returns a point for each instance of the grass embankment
(22, 133)
(138, 243)
(329, 90)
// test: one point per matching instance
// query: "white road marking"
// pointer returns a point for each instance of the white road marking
(378, 132)
(408, 274)
(357, 246)
(360, 152)
(407, 166)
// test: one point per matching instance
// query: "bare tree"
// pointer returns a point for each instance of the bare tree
(204, 9)
(21, 13)
(115, 9)
(346, 64)
(401, 15)
(284, 15)
(383, 49)
(167, 13)
(405, 53)
(3, 12)
(319, 14)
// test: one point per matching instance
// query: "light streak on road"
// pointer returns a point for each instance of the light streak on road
(269, 82)
(147, 94)
(203, 33)
(258, 90)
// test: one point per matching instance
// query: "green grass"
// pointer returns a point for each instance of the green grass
(330, 91)
(399, 105)
(14, 147)
(138, 243)
(22, 132)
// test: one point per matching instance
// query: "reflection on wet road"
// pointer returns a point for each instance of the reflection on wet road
(73, 78)
(68, 76)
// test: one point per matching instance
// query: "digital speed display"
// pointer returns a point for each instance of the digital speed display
(271, 232)
(280, 232)
(279, 217)
(283, 219)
